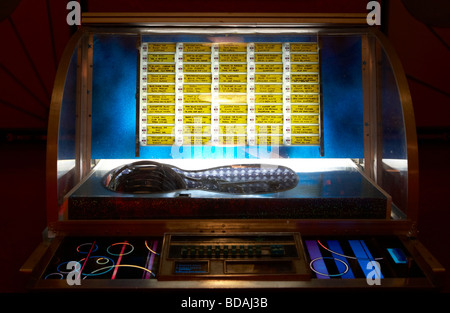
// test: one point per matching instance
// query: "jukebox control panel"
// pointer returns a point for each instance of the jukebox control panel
(244, 256)
(261, 256)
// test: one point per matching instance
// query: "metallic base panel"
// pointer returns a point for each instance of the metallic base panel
(334, 191)
(257, 256)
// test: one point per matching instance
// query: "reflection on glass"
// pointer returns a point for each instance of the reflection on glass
(393, 168)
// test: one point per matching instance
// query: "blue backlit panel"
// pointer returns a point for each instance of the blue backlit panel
(114, 100)
(113, 97)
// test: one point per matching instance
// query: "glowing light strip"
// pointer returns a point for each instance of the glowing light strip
(120, 265)
(369, 255)
(77, 268)
(334, 244)
(398, 255)
(99, 258)
(154, 247)
(317, 264)
(120, 243)
(320, 259)
(362, 254)
(147, 262)
(87, 258)
(150, 258)
(54, 274)
(118, 260)
(85, 244)
(348, 256)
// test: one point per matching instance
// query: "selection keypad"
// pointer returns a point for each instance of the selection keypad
(230, 251)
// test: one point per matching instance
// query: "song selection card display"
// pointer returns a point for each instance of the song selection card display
(229, 94)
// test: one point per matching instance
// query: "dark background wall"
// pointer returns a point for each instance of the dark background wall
(34, 33)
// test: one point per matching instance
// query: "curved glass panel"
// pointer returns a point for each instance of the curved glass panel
(393, 168)
(67, 132)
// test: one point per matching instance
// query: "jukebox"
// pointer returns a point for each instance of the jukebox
(231, 151)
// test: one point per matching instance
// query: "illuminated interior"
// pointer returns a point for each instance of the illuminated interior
(199, 100)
